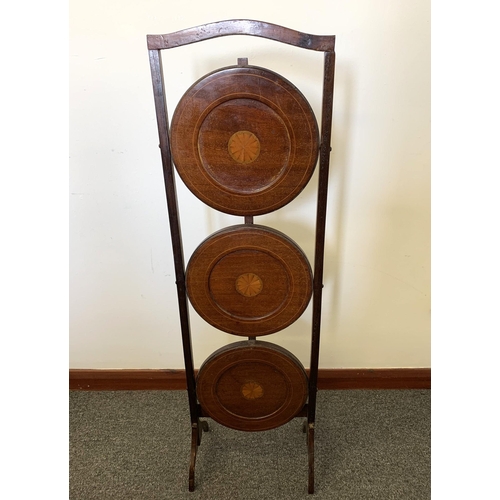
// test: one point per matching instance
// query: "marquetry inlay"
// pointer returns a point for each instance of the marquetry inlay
(249, 285)
(252, 390)
(244, 147)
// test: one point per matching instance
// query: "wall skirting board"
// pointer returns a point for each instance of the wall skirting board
(328, 379)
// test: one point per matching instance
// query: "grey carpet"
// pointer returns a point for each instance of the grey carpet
(135, 445)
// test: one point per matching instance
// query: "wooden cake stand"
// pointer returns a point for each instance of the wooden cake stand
(245, 141)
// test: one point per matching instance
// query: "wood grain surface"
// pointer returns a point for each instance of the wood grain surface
(249, 280)
(252, 386)
(241, 27)
(244, 140)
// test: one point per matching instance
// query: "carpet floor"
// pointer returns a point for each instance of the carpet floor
(369, 445)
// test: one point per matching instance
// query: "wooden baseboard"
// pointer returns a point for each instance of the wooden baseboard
(374, 378)
(328, 379)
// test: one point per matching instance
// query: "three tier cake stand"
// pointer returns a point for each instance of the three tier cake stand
(245, 141)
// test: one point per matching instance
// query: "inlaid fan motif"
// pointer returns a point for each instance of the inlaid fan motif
(244, 147)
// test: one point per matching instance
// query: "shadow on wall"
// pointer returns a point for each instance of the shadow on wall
(341, 134)
(303, 234)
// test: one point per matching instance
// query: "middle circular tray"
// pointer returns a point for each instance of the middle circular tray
(249, 280)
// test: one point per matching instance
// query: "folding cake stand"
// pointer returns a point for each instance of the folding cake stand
(245, 141)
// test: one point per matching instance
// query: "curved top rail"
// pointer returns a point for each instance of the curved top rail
(325, 43)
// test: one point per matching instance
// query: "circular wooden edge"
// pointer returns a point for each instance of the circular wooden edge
(230, 355)
(201, 298)
(234, 203)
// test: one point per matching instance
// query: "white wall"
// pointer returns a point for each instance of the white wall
(376, 308)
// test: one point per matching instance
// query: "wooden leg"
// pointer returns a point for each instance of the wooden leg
(310, 450)
(196, 433)
(195, 440)
(200, 433)
(202, 426)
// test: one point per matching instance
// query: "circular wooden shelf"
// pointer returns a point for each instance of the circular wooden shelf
(249, 280)
(252, 386)
(244, 140)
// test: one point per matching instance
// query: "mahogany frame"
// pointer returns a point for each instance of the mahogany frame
(323, 43)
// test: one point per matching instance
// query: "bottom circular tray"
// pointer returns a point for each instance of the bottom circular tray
(252, 386)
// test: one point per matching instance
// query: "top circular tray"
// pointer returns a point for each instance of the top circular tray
(244, 140)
